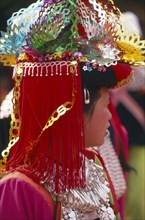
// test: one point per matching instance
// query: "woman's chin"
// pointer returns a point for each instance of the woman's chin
(100, 143)
(95, 144)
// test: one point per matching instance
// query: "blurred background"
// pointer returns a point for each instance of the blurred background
(136, 180)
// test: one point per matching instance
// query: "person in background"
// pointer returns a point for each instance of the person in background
(129, 102)
(60, 108)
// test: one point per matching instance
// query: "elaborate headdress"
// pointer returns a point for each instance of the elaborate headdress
(57, 47)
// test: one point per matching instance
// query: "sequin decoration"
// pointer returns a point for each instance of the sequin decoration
(92, 28)
(89, 203)
(133, 49)
(11, 41)
(52, 31)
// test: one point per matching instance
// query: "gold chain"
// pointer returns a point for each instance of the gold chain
(15, 116)
(61, 110)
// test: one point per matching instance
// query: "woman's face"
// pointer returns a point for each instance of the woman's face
(96, 125)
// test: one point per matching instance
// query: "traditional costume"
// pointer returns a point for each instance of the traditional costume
(59, 48)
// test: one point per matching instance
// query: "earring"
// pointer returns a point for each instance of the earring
(86, 96)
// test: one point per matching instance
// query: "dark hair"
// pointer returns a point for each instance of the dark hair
(97, 78)
(93, 81)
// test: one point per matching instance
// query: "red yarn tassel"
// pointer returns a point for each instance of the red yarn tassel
(56, 157)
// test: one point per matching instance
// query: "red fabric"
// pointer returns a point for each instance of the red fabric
(122, 71)
(120, 133)
(81, 31)
(61, 143)
(120, 140)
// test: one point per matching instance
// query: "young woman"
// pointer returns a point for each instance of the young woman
(60, 110)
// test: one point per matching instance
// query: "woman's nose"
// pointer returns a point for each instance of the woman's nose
(109, 115)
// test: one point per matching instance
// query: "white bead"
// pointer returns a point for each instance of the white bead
(71, 214)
